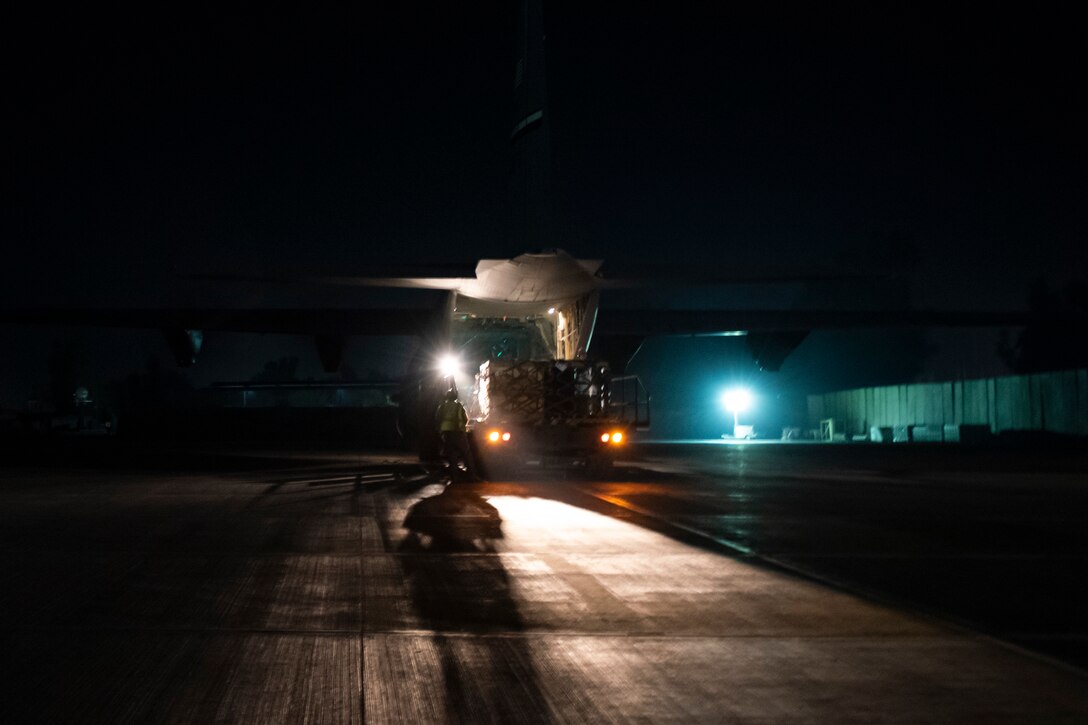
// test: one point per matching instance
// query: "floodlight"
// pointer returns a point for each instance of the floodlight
(448, 365)
(737, 400)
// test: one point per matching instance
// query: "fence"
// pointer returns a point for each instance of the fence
(1056, 402)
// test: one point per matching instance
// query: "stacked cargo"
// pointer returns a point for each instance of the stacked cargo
(515, 389)
(547, 412)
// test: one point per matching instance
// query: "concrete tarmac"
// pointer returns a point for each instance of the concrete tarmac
(697, 584)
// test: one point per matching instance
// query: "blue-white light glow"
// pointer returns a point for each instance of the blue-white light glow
(737, 400)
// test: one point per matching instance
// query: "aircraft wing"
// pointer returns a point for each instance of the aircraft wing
(386, 321)
(648, 322)
(184, 328)
(626, 274)
(438, 282)
(410, 276)
(411, 321)
(771, 335)
(441, 281)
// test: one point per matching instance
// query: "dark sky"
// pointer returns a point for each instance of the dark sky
(142, 145)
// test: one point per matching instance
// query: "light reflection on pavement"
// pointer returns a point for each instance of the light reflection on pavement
(348, 591)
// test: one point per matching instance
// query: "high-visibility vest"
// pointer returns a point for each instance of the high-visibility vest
(451, 416)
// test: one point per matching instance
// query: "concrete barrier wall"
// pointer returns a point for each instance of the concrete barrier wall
(1056, 402)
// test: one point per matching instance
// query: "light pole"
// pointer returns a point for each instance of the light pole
(736, 401)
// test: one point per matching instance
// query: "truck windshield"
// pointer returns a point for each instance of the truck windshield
(479, 339)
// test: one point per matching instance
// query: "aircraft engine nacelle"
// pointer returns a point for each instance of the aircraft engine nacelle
(770, 349)
(185, 345)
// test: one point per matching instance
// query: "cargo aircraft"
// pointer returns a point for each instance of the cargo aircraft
(543, 306)
(538, 308)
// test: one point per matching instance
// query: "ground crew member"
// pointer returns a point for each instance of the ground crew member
(451, 420)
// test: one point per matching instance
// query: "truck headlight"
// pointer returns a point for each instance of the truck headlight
(448, 365)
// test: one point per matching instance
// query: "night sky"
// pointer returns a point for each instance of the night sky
(941, 144)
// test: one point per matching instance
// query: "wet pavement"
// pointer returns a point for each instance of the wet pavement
(697, 584)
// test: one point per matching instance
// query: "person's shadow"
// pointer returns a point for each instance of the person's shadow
(456, 520)
(487, 678)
